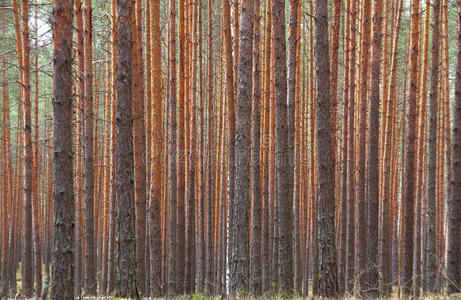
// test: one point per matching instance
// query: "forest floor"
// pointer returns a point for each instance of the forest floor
(200, 296)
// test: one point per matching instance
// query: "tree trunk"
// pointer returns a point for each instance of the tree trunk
(431, 267)
(209, 264)
(290, 154)
(155, 240)
(28, 280)
(125, 252)
(63, 257)
(89, 280)
(256, 207)
(230, 94)
(373, 154)
(239, 253)
(328, 282)
(454, 204)
(171, 279)
(4, 287)
(283, 164)
(351, 172)
(410, 154)
(139, 142)
(361, 204)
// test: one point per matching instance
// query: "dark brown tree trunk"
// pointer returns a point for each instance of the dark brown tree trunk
(89, 281)
(62, 281)
(289, 154)
(283, 164)
(209, 264)
(28, 280)
(171, 278)
(239, 251)
(454, 204)
(125, 252)
(343, 243)
(431, 261)
(328, 282)
(351, 172)
(256, 207)
(372, 181)
(409, 189)
(361, 204)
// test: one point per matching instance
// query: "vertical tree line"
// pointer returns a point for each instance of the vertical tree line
(230, 148)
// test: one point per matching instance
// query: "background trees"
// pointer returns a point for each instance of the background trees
(209, 156)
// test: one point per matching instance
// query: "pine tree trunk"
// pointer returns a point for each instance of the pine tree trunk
(239, 252)
(230, 94)
(431, 268)
(125, 253)
(290, 153)
(328, 282)
(171, 279)
(256, 207)
(372, 181)
(361, 204)
(209, 263)
(155, 240)
(88, 171)
(283, 164)
(351, 172)
(410, 154)
(28, 280)
(63, 257)
(189, 272)
(454, 204)
(139, 141)
(4, 287)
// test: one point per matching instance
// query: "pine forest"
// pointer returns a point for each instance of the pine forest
(211, 149)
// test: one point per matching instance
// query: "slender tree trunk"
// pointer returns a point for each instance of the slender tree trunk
(410, 154)
(63, 256)
(351, 172)
(189, 272)
(431, 267)
(139, 141)
(89, 285)
(361, 204)
(125, 253)
(373, 153)
(6, 187)
(283, 164)
(209, 264)
(328, 283)
(28, 280)
(157, 155)
(256, 207)
(171, 284)
(230, 94)
(180, 152)
(289, 157)
(454, 204)
(265, 236)
(239, 254)
(111, 255)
